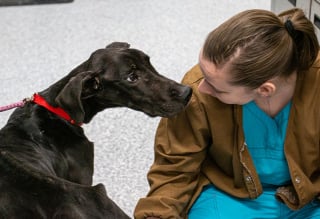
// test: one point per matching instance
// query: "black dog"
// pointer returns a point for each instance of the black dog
(46, 161)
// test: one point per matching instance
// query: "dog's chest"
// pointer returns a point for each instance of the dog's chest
(71, 157)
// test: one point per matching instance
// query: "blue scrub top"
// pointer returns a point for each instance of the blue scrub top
(265, 138)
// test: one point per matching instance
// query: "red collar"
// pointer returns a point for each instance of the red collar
(56, 110)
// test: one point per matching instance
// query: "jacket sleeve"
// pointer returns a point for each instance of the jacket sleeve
(180, 148)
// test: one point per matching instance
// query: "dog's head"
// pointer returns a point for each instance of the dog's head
(119, 76)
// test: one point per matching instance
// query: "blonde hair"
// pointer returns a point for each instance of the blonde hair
(261, 45)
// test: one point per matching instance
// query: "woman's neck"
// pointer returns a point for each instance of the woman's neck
(274, 103)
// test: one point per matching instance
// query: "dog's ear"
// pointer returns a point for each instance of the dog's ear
(118, 45)
(83, 85)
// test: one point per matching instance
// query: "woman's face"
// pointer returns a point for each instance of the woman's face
(216, 83)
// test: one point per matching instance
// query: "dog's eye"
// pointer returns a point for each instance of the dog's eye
(132, 77)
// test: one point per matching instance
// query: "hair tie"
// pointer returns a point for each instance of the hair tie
(289, 27)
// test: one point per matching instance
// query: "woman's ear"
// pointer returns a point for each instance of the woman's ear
(267, 89)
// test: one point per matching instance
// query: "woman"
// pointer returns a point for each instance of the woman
(248, 144)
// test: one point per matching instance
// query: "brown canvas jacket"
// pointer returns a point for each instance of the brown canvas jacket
(205, 144)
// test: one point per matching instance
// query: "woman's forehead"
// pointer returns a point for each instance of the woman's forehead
(211, 70)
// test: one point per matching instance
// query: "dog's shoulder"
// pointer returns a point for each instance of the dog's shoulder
(53, 196)
(51, 146)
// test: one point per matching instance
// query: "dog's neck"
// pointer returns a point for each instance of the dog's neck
(39, 100)
(52, 92)
(46, 99)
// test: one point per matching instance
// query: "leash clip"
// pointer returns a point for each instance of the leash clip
(28, 99)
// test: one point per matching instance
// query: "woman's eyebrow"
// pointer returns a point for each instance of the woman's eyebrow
(213, 87)
(201, 68)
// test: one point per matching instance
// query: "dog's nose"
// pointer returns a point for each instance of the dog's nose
(182, 92)
(186, 93)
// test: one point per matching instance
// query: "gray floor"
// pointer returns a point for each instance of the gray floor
(40, 44)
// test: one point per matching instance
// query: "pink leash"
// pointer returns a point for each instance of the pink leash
(14, 105)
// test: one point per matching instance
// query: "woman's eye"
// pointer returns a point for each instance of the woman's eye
(132, 77)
